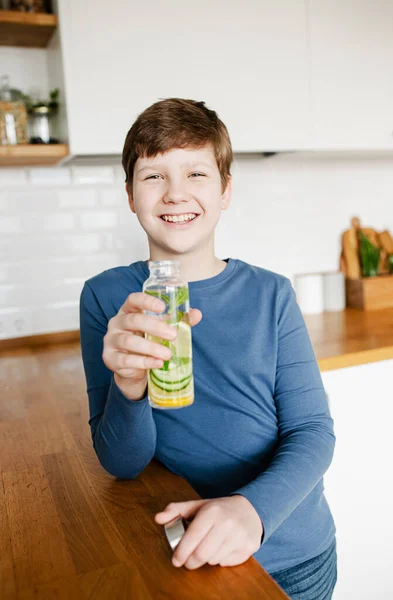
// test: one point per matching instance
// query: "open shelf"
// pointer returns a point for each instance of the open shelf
(30, 30)
(25, 155)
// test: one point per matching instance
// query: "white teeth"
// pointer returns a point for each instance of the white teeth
(179, 218)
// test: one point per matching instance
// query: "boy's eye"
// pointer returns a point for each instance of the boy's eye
(154, 176)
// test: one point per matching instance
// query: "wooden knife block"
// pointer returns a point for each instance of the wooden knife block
(370, 293)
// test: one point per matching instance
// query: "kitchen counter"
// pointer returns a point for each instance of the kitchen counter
(351, 337)
(340, 339)
(68, 528)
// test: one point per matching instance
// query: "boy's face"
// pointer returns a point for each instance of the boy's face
(169, 189)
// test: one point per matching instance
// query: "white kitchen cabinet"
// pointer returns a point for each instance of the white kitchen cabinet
(359, 482)
(351, 78)
(247, 60)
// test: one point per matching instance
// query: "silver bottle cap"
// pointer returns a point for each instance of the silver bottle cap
(174, 532)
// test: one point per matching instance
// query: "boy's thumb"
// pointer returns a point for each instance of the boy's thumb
(179, 509)
(195, 316)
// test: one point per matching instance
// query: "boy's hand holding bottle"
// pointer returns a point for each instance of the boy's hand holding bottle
(127, 353)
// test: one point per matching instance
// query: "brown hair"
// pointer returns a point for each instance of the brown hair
(177, 123)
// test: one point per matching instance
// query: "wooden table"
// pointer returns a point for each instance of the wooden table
(68, 529)
(340, 339)
(351, 337)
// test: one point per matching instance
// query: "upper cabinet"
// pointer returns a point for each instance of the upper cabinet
(351, 52)
(283, 75)
(247, 60)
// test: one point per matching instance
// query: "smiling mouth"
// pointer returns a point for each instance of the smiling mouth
(184, 218)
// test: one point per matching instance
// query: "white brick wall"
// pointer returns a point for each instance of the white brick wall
(98, 220)
(58, 227)
(49, 176)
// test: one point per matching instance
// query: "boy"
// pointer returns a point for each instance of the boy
(259, 437)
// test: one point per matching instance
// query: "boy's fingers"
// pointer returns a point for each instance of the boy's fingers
(139, 322)
(195, 316)
(206, 551)
(138, 301)
(129, 345)
(200, 528)
(179, 509)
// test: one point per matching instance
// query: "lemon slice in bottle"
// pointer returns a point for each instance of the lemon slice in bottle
(181, 346)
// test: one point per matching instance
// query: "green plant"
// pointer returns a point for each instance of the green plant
(390, 263)
(181, 296)
(52, 102)
(369, 256)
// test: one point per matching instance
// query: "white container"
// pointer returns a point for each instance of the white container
(309, 292)
(334, 290)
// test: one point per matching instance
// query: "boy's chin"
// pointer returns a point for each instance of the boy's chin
(177, 249)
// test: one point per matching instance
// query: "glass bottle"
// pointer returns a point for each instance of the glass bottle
(172, 386)
(41, 125)
(13, 115)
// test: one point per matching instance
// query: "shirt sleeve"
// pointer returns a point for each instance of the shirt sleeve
(305, 427)
(123, 431)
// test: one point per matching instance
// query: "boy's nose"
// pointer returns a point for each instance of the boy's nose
(175, 196)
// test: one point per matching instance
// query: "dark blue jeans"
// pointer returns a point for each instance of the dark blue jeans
(312, 580)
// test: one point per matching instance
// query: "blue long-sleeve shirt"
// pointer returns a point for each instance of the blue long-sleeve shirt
(260, 425)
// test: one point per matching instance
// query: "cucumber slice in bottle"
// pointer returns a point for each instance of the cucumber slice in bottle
(178, 373)
(170, 387)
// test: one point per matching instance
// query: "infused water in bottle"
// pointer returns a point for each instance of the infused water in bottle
(172, 386)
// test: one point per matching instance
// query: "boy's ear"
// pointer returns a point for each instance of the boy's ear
(130, 198)
(227, 195)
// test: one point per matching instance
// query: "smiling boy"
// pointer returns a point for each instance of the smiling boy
(181, 226)
(259, 437)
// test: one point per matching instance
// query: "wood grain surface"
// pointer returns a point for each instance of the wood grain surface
(351, 337)
(23, 29)
(370, 293)
(32, 154)
(68, 529)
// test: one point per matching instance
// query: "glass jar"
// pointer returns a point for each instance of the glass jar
(42, 125)
(34, 6)
(172, 386)
(13, 115)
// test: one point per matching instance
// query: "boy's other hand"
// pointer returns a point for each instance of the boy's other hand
(225, 531)
(127, 353)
